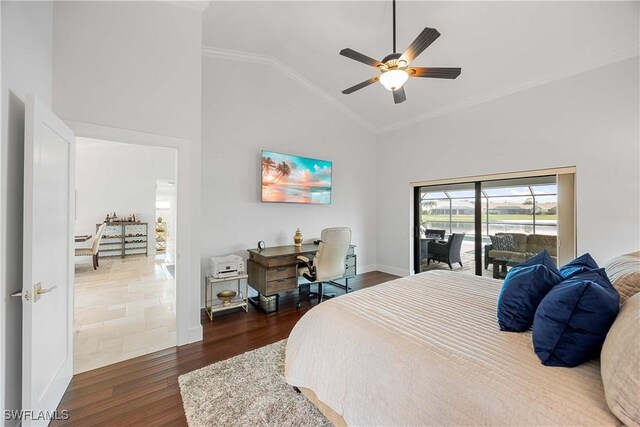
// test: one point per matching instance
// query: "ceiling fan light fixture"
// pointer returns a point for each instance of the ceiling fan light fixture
(394, 79)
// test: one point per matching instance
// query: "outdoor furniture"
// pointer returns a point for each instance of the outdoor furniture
(447, 252)
(435, 233)
(82, 238)
(499, 268)
(527, 245)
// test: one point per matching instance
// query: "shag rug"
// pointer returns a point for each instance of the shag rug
(247, 390)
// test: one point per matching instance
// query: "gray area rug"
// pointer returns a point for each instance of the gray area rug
(247, 390)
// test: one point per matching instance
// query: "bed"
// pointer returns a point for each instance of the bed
(426, 350)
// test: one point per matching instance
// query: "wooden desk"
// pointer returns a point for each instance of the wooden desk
(274, 270)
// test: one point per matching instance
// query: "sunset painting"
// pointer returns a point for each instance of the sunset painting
(295, 179)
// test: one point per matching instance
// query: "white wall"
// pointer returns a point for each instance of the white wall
(258, 108)
(137, 66)
(26, 68)
(590, 121)
(121, 178)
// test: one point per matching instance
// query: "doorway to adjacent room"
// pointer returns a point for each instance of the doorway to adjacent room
(125, 287)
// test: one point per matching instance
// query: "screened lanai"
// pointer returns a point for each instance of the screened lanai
(526, 205)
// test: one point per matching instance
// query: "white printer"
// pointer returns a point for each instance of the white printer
(226, 266)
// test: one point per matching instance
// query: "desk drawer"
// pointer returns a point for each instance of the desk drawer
(284, 272)
(279, 261)
(281, 285)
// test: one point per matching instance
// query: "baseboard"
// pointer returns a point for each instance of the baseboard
(193, 335)
(392, 270)
(367, 268)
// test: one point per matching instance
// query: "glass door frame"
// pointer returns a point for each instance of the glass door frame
(566, 229)
(417, 214)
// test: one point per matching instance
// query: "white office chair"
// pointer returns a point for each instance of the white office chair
(329, 262)
(95, 247)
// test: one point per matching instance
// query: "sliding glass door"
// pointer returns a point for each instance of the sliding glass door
(446, 227)
(455, 225)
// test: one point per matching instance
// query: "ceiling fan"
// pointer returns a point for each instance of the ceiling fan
(394, 68)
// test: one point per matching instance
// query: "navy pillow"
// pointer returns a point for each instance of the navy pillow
(572, 321)
(582, 264)
(524, 287)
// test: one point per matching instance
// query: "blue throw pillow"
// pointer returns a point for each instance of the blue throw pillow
(524, 287)
(582, 264)
(572, 321)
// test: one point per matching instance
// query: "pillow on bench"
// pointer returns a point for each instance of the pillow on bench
(504, 242)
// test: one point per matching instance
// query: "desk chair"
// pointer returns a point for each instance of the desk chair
(328, 264)
(95, 247)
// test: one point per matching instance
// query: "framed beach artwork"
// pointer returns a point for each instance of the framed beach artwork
(295, 179)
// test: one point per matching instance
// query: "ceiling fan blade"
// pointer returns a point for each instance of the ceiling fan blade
(434, 72)
(359, 86)
(424, 39)
(357, 56)
(399, 95)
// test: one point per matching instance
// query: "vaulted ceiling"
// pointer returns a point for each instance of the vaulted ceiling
(502, 47)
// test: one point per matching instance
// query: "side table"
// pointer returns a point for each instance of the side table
(214, 305)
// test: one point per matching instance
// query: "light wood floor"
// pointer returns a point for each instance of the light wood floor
(144, 391)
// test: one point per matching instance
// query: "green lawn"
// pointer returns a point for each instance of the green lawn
(492, 218)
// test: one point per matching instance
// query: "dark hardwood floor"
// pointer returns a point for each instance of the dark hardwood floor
(144, 391)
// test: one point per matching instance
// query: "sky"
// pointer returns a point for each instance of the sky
(304, 170)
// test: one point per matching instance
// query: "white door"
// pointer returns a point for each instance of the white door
(47, 294)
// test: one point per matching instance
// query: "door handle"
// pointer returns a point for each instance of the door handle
(38, 290)
(41, 291)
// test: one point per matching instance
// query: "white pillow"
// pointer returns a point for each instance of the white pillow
(620, 363)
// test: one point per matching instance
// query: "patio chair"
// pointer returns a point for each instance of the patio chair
(433, 233)
(447, 252)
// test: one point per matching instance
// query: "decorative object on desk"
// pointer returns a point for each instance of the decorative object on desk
(295, 179)
(226, 296)
(261, 245)
(297, 238)
(159, 219)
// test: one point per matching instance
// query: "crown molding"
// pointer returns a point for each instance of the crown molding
(616, 56)
(197, 5)
(256, 58)
(613, 57)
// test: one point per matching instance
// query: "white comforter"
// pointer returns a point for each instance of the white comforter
(426, 350)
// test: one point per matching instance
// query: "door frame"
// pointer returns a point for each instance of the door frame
(188, 327)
